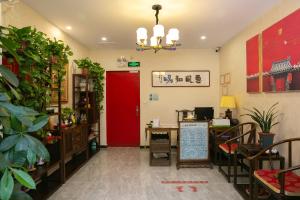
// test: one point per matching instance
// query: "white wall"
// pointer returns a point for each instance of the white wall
(233, 60)
(21, 15)
(170, 99)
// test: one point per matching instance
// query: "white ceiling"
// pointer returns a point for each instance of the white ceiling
(118, 20)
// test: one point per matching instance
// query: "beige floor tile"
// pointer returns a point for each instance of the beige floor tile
(125, 174)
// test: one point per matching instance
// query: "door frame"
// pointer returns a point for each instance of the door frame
(106, 119)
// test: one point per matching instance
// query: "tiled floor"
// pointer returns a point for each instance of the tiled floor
(125, 174)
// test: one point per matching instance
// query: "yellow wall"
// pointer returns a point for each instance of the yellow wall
(170, 99)
(233, 60)
(21, 15)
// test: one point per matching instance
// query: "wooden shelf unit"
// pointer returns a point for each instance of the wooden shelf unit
(84, 103)
(74, 148)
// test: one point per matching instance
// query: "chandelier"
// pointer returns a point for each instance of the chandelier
(158, 33)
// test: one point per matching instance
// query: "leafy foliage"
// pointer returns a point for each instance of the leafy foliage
(18, 148)
(97, 72)
(66, 113)
(265, 119)
(38, 57)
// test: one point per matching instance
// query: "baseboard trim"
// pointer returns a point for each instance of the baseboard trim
(141, 147)
(147, 147)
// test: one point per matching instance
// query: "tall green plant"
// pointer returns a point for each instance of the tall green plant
(18, 148)
(34, 73)
(265, 119)
(58, 54)
(38, 57)
(97, 72)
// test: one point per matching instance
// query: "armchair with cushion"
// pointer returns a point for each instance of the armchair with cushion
(244, 133)
(282, 184)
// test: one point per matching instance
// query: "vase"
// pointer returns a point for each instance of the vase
(266, 139)
(84, 71)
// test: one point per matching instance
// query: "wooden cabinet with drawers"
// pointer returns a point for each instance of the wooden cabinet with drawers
(75, 140)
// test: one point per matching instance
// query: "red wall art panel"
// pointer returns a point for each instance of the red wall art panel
(281, 55)
(252, 52)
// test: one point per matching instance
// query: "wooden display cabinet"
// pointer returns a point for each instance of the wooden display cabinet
(85, 106)
(75, 140)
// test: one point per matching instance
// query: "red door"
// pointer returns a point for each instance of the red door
(123, 109)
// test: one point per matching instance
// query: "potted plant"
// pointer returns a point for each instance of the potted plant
(266, 120)
(97, 72)
(84, 65)
(66, 114)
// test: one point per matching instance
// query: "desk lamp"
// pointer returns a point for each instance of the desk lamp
(228, 102)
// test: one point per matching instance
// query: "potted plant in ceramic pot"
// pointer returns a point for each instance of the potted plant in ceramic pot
(266, 120)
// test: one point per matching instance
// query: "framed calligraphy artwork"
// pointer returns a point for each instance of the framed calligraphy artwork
(194, 78)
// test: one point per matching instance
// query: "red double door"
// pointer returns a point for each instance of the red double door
(123, 109)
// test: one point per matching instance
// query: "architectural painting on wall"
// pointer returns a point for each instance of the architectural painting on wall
(252, 54)
(281, 55)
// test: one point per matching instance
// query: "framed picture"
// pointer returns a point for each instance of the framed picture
(222, 79)
(64, 88)
(227, 78)
(196, 78)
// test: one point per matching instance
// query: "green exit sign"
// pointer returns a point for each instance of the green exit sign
(134, 64)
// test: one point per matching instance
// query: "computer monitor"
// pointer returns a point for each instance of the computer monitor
(204, 113)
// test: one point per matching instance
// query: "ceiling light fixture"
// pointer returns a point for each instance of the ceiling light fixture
(9, 1)
(203, 37)
(158, 33)
(69, 27)
(104, 38)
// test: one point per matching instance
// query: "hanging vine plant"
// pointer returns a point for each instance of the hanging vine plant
(58, 57)
(96, 71)
(38, 57)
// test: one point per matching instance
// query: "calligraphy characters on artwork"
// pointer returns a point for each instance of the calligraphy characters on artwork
(181, 78)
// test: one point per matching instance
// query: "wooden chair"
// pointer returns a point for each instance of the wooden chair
(235, 136)
(282, 184)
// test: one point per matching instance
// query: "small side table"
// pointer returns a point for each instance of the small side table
(160, 149)
(158, 129)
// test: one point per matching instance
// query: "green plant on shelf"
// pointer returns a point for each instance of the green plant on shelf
(37, 57)
(66, 114)
(96, 71)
